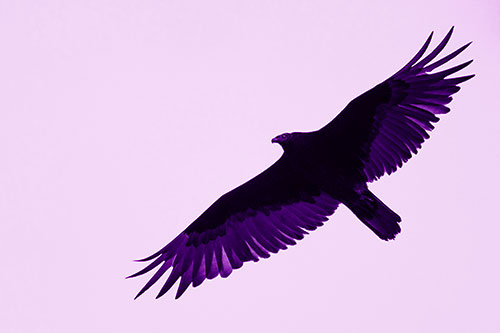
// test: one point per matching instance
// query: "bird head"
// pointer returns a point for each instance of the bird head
(282, 139)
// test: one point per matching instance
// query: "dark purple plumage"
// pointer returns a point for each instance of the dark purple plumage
(374, 135)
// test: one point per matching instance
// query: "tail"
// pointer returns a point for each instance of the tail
(375, 215)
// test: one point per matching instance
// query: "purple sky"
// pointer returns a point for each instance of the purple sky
(121, 121)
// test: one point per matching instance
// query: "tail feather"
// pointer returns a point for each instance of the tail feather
(376, 215)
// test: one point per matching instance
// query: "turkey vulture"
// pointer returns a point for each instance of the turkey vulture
(374, 135)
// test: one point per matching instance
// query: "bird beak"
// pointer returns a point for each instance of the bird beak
(274, 140)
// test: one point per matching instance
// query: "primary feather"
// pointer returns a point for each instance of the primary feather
(374, 135)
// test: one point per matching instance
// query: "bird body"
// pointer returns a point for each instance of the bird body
(374, 135)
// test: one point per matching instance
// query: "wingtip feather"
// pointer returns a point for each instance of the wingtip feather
(417, 56)
(149, 258)
(436, 50)
(444, 60)
(180, 292)
(143, 290)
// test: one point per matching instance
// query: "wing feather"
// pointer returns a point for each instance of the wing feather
(232, 237)
(385, 126)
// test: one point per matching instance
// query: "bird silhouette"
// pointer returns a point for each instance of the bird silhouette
(374, 135)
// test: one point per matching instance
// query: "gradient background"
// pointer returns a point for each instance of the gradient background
(121, 121)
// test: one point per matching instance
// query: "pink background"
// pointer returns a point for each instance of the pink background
(121, 121)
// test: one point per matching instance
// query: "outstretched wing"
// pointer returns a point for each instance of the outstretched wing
(380, 130)
(262, 216)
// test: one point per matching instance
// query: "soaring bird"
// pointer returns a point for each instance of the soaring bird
(374, 135)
